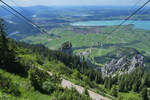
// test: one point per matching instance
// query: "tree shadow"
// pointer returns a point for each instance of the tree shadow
(17, 69)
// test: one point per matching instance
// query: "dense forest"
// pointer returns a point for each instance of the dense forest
(30, 64)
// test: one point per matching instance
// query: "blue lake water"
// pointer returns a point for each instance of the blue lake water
(137, 24)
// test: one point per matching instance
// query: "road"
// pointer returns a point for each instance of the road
(68, 84)
(93, 95)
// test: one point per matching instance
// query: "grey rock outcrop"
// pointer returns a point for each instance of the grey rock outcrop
(67, 48)
(122, 65)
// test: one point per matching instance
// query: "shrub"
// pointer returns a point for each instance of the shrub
(42, 81)
(48, 86)
(8, 87)
(70, 94)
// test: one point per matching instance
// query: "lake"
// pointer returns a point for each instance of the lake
(137, 24)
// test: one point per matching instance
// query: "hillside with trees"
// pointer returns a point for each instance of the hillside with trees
(23, 75)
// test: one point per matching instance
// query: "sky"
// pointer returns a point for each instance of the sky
(74, 2)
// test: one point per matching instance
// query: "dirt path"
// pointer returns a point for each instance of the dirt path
(68, 84)
(93, 95)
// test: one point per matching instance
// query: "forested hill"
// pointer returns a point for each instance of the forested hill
(23, 75)
(23, 72)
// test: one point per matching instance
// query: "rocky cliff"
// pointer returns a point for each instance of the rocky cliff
(67, 48)
(124, 63)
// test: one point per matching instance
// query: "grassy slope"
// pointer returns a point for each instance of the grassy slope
(24, 84)
(27, 91)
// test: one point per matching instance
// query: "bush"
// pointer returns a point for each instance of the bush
(42, 81)
(70, 94)
(48, 86)
(37, 78)
(8, 87)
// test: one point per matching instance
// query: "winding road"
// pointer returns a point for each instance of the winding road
(68, 84)
(93, 95)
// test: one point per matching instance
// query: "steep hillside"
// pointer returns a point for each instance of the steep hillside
(34, 72)
(24, 73)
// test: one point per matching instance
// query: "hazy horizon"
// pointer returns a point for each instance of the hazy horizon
(75, 2)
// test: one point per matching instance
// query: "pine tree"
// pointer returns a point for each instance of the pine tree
(86, 92)
(114, 91)
(109, 83)
(3, 46)
(106, 82)
(136, 86)
(7, 54)
(143, 94)
(121, 85)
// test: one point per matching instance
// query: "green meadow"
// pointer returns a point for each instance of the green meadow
(101, 40)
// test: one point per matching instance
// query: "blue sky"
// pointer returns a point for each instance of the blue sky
(74, 2)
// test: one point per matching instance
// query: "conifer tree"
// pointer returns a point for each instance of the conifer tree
(86, 92)
(121, 85)
(114, 91)
(3, 46)
(7, 57)
(143, 93)
(7, 54)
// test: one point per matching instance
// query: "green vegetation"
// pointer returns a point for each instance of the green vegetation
(68, 94)
(114, 91)
(24, 68)
(144, 95)
(98, 38)
(34, 82)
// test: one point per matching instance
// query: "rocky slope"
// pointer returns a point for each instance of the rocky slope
(66, 48)
(123, 60)
(123, 65)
